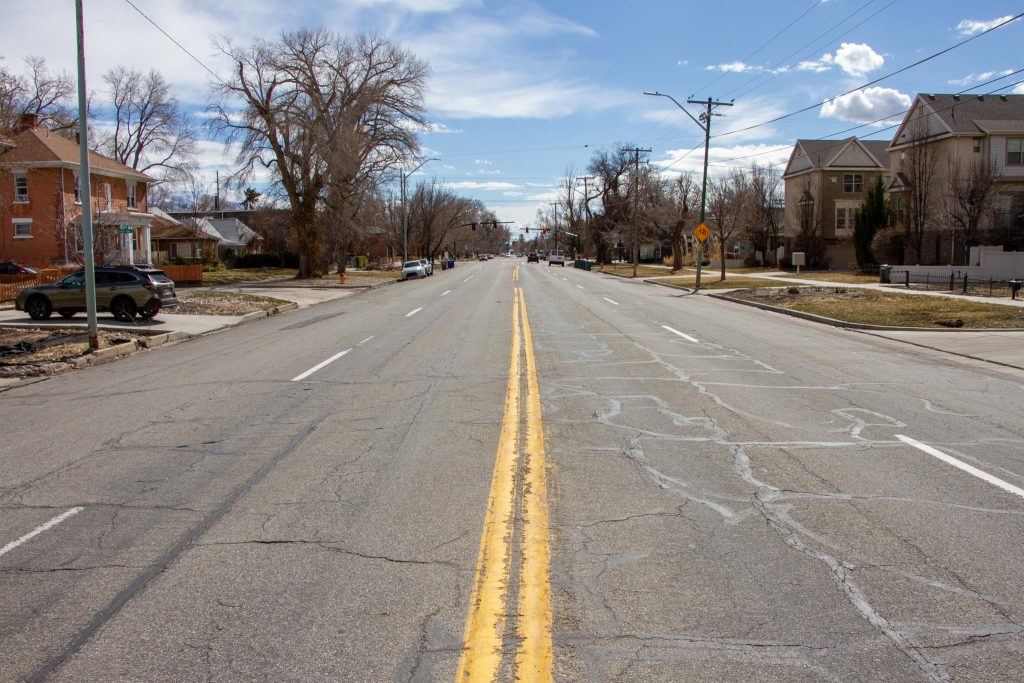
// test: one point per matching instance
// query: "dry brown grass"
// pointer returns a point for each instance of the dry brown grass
(844, 278)
(235, 275)
(222, 303)
(626, 270)
(713, 282)
(887, 309)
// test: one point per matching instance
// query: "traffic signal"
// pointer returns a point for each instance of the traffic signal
(527, 231)
(473, 225)
(545, 231)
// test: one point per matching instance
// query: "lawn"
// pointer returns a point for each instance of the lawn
(713, 282)
(232, 276)
(642, 270)
(844, 278)
(884, 308)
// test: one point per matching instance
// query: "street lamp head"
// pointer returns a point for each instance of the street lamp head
(652, 92)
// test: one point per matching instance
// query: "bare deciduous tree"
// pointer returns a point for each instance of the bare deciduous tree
(325, 114)
(151, 132)
(966, 199)
(766, 197)
(50, 95)
(728, 202)
(918, 166)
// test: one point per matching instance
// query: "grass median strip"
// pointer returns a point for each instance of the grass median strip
(222, 303)
(887, 309)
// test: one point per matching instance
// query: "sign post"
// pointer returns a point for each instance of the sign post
(702, 232)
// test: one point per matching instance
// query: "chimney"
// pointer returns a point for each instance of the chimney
(28, 122)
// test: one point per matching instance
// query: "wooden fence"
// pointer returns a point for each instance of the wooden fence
(192, 275)
(10, 285)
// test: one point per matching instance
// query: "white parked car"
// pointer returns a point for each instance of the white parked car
(413, 269)
(427, 266)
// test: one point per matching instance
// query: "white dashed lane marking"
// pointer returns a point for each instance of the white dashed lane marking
(961, 465)
(40, 529)
(681, 334)
(413, 312)
(319, 366)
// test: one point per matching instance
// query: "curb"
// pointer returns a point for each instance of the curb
(112, 353)
(857, 326)
(665, 284)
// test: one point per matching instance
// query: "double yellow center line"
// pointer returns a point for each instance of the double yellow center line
(488, 608)
(515, 274)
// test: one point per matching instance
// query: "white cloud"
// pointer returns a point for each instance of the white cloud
(736, 67)
(435, 128)
(855, 59)
(977, 78)
(970, 27)
(817, 65)
(1019, 90)
(683, 62)
(867, 105)
(858, 59)
(483, 162)
(513, 193)
(485, 171)
(723, 158)
(481, 185)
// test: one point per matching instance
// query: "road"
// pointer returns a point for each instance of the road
(508, 469)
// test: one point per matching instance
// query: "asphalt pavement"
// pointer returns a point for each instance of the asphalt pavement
(730, 494)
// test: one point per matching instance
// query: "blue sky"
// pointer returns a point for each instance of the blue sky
(522, 92)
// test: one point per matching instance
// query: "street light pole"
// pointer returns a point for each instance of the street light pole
(84, 189)
(705, 125)
(403, 176)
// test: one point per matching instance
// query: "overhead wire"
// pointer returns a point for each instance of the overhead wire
(873, 82)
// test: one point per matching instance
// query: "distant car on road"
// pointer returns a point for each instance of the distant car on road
(532, 257)
(483, 257)
(557, 256)
(427, 266)
(12, 268)
(125, 291)
(411, 269)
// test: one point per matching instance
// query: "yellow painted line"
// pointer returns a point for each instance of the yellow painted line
(515, 274)
(482, 639)
(534, 657)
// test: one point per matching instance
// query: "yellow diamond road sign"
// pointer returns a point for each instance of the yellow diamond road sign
(702, 232)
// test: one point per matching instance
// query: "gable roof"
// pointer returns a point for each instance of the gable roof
(820, 154)
(234, 230)
(40, 147)
(963, 115)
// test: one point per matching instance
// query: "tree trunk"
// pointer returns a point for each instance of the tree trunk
(721, 254)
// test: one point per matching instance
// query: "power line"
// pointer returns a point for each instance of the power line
(171, 38)
(877, 80)
(766, 43)
(773, 68)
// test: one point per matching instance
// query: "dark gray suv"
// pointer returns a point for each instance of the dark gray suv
(125, 291)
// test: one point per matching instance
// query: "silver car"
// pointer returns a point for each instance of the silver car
(427, 266)
(413, 269)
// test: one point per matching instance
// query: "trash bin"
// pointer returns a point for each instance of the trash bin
(451, 263)
(1015, 287)
(884, 272)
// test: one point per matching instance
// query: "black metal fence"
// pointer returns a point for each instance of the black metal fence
(953, 282)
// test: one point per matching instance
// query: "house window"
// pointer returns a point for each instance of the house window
(1015, 152)
(78, 189)
(898, 208)
(22, 228)
(107, 201)
(977, 145)
(853, 182)
(131, 195)
(844, 221)
(21, 187)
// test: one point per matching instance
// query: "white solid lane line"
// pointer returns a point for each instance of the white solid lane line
(681, 334)
(413, 312)
(40, 529)
(610, 301)
(566, 279)
(316, 367)
(447, 292)
(365, 340)
(581, 286)
(960, 464)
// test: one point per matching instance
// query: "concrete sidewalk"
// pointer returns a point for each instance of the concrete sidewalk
(191, 325)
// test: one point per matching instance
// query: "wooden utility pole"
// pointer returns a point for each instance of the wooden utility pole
(636, 205)
(705, 123)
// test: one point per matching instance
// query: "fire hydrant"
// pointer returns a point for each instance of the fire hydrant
(341, 278)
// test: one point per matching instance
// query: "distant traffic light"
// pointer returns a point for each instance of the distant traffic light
(527, 231)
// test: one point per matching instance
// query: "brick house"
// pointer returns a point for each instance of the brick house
(40, 209)
(826, 181)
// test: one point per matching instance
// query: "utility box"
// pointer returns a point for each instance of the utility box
(798, 259)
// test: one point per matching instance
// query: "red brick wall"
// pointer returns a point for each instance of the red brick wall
(51, 193)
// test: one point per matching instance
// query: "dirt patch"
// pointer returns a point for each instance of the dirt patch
(222, 303)
(30, 352)
(890, 310)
